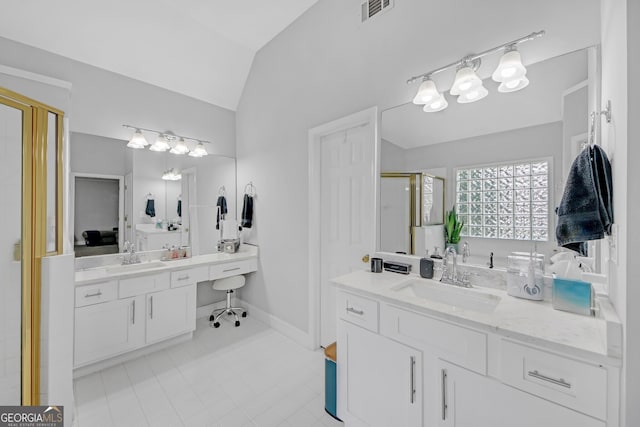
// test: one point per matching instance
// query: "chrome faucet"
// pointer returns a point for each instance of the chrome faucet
(450, 274)
(466, 252)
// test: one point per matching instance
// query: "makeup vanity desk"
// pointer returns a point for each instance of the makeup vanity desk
(123, 311)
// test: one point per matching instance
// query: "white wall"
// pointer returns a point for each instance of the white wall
(327, 65)
(101, 101)
(97, 154)
(632, 344)
(614, 139)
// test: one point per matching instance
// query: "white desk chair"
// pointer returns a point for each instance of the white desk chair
(227, 284)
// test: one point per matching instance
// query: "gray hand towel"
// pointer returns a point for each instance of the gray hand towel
(586, 210)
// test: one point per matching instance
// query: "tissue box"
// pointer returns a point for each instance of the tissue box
(575, 296)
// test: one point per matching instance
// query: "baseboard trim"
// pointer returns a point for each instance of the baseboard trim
(301, 337)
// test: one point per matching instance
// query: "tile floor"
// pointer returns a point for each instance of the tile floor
(225, 377)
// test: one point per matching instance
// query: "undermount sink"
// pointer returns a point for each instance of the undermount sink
(134, 267)
(457, 298)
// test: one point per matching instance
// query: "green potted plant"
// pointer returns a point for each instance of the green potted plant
(452, 228)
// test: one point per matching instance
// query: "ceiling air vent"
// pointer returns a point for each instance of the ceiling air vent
(370, 8)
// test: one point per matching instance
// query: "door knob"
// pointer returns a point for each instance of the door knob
(365, 258)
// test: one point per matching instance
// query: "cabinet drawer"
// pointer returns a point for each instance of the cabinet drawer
(562, 380)
(143, 284)
(189, 277)
(96, 293)
(455, 344)
(358, 310)
(228, 269)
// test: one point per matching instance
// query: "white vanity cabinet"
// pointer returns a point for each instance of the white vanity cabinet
(380, 381)
(467, 399)
(118, 316)
(170, 313)
(108, 328)
(463, 376)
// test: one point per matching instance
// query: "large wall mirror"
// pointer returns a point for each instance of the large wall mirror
(499, 149)
(120, 196)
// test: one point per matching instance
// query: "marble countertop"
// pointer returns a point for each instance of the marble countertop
(536, 322)
(115, 271)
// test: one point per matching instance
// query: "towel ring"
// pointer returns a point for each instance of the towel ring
(252, 189)
(222, 191)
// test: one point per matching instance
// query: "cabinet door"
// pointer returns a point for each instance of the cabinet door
(107, 329)
(468, 399)
(170, 313)
(379, 380)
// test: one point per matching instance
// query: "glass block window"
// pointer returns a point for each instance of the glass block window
(505, 201)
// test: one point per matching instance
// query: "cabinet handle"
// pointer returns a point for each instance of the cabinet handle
(230, 269)
(184, 277)
(561, 382)
(151, 304)
(97, 294)
(133, 312)
(354, 311)
(412, 371)
(444, 394)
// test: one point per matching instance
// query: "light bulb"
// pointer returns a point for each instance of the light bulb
(137, 140)
(199, 151)
(466, 79)
(474, 95)
(513, 85)
(180, 148)
(438, 105)
(426, 93)
(161, 144)
(510, 67)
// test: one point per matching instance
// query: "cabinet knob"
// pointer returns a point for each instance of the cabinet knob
(365, 258)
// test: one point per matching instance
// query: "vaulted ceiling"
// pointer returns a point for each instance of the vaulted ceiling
(200, 48)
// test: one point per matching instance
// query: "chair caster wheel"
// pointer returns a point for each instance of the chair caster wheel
(212, 318)
(216, 325)
(237, 323)
(244, 314)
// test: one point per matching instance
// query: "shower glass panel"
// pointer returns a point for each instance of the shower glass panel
(11, 126)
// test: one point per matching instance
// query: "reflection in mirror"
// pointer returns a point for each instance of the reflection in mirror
(140, 174)
(546, 120)
(408, 201)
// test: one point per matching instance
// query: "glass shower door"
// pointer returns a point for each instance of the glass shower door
(13, 120)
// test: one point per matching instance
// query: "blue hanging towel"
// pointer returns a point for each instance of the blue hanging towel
(150, 209)
(222, 204)
(586, 210)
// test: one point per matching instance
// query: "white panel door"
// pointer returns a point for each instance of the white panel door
(347, 213)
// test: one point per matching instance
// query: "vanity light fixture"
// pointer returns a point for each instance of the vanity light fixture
(467, 86)
(137, 140)
(161, 144)
(510, 72)
(171, 175)
(199, 151)
(180, 148)
(167, 141)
